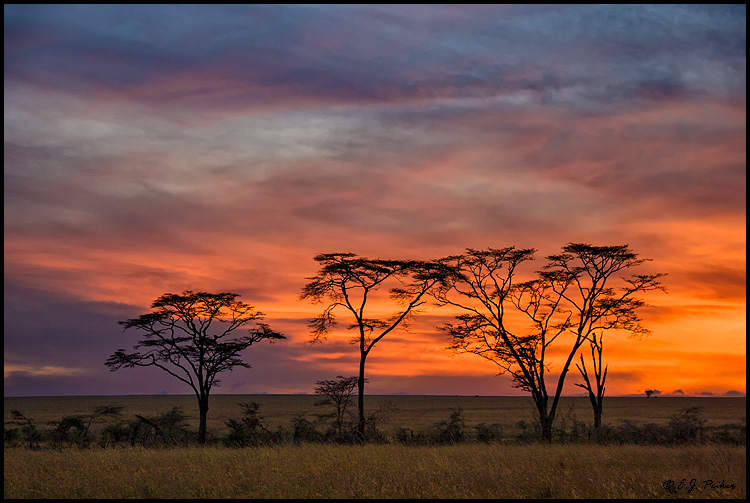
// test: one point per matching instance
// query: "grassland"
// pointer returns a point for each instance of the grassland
(467, 470)
(379, 471)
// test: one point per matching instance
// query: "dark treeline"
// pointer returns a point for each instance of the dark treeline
(334, 425)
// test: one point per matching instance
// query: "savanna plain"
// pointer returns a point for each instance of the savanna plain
(423, 447)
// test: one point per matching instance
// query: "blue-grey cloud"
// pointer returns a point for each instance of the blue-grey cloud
(159, 148)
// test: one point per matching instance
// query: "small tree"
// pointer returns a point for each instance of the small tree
(597, 399)
(250, 430)
(109, 431)
(687, 425)
(337, 393)
(188, 336)
(30, 432)
(450, 431)
(171, 426)
(349, 281)
(69, 430)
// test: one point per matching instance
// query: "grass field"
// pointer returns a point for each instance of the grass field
(415, 412)
(379, 471)
(392, 470)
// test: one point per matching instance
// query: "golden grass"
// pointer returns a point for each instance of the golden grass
(377, 471)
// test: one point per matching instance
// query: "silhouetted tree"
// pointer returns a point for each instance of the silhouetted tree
(30, 432)
(570, 296)
(597, 399)
(338, 394)
(250, 430)
(68, 430)
(170, 426)
(349, 281)
(188, 336)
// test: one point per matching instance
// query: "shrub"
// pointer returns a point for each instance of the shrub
(489, 433)
(29, 430)
(250, 430)
(687, 425)
(530, 432)
(630, 433)
(735, 434)
(408, 437)
(112, 434)
(304, 430)
(12, 436)
(170, 428)
(69, 430)
(450, 431)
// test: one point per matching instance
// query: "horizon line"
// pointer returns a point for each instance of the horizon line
(632, 395)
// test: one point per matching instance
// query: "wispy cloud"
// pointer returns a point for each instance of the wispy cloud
(152, 149)
(37, 371)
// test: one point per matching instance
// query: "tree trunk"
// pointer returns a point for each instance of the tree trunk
(547, 430)
(545, 422)
(203, 412)
(597, 409)
(361, 399)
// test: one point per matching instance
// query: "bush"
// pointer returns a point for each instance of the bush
(530, 432)
(450, 431)
(250, 430)
(735, 434)
(304, 430)
(491, 433)
(408, 437)
(112, 434)
(170, 428)
(29, 431)
(567, 428)
(12, 436)
(70, 430)
(687, 426)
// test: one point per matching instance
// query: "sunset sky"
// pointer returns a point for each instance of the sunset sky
(156, 149)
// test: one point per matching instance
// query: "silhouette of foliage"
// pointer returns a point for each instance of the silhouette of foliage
(188, 336)
(69, 430)
(168, 428)
(596, 394)
(250, 429)
(450, 431)
(304, 430)
(337, 393)
(688, 425)
(570, 299)
(488, 433)
(29, 430)
(348, 281)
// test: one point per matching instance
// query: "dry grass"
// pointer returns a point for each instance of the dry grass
(377, 471)
(468, 470)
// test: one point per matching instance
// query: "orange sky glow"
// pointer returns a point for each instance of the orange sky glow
(141, 161)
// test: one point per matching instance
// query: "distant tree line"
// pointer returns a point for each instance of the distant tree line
(573, 299)
(170, 429)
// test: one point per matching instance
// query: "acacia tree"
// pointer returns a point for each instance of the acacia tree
(570, 299)
(337, 393)
(348, 281)
(596, 398)
(189, 336)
